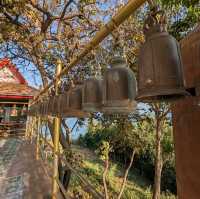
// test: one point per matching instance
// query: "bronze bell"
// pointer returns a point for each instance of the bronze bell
(39, 108)
(63, 101)
(75, 101)
(50, 106)
(71, 102)
(35, 109)
(160, 65)
(57, 105)
(53, 105)
(92, 95)
(40, 105)
(30, 111)
(43, 108)
(119, 88)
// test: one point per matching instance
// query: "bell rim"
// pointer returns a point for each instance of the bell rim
(126, 108)
(117, 60)
(90, 107)
(74, 113)
(156, 96)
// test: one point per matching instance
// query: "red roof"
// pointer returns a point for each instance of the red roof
(17, 89)
(8, 64)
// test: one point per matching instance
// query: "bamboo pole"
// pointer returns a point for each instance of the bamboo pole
(57, 126)
(27, 124)
(38, 138)
(119, 18)
(32, 128)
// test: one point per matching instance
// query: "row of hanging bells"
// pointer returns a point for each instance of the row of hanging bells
(160, 78)
(114, 94)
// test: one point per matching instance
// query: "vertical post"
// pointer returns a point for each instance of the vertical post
(33, 126)
(57, 126)
(27, 125)
(38, 138)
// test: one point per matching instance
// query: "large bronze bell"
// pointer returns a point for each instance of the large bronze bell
(92, 95)
(119, 88)
(160, 65)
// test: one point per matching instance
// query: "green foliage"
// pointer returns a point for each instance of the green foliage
(104, 150)
(183, 15)
(137, 186)
(124, 136)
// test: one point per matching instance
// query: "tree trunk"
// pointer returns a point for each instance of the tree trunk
(126, 175)
(159, 161)
(104, 178)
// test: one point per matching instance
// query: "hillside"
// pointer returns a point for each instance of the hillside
(137, 187)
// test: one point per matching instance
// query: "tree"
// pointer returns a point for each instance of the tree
(160, 110)
(104, 151)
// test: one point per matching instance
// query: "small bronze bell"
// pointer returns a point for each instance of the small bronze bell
(53, 106)
(75, 101)
(47, 106)
(119, 88)
(57, 105)
(92, 95)
(43, 108)
(30, 111)
(74, 104)
(40, 108)
(35, 109)
(40, 105)
(51, 103)
(63, 101)
(63, 108)
(160, 65)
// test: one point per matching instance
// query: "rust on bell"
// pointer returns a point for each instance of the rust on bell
(190, 50)
(160, 75)
(119, 88)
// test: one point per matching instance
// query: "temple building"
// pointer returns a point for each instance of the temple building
(15, 94)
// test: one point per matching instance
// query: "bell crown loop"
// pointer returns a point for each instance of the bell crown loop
(156, 22)
(117, 61)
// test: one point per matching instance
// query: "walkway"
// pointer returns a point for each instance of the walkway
(21, 175)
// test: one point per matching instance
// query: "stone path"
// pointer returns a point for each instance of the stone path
(10, 187)
(21, 175)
